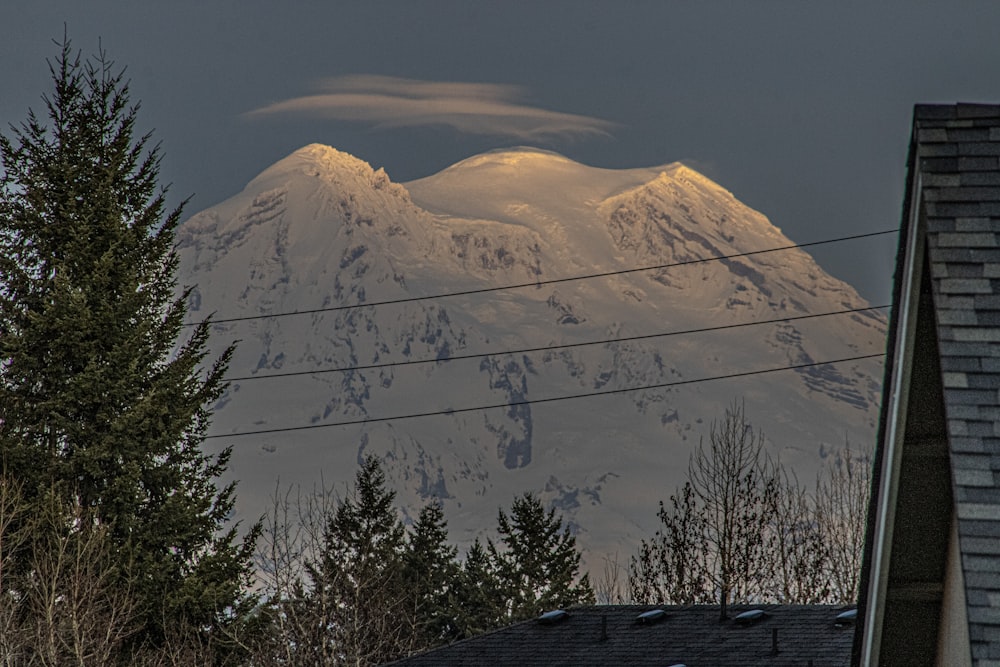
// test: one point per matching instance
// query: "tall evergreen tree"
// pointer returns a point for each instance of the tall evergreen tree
(104, 394)
(431, 573)
(479, 601)
(539, 566)
(359, 578)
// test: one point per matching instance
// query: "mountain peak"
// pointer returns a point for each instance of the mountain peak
(317, 160)
(322, 152)
(519, 160)
(678, 171)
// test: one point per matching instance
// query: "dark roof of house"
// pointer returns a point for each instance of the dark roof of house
(953, 196)
(686, 635)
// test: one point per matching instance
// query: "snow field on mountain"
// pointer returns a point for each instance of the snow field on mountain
(322, 229)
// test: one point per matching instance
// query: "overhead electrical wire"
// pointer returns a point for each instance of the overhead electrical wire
(536, 401)
(451, 411)
(540, 283)
(546, 348)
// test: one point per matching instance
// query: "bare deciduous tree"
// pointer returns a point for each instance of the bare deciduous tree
(797, 545)
(842, 492)
(672, 566)
(298, 619)
(611, 586)
(63, 598)
(733, 483)
(83, 613)
(744, 529)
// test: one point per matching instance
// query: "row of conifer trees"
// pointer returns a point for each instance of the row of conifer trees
(346, 582)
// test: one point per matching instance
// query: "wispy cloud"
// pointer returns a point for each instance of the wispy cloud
(472, 108)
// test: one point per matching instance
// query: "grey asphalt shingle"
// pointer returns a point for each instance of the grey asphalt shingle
(692, 635)
(960, 179)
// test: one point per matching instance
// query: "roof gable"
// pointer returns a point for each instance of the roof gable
(938, 455)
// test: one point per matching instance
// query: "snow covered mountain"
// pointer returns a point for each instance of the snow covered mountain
(321, 229)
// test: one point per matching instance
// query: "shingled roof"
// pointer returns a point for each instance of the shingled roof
(694, 636)
(931, 588)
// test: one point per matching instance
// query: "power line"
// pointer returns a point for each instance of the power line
(552, 399)
(540, 283)
(545, 348)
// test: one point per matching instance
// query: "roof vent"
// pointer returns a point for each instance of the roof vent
(650, 617)
(846, 617)
(749, 617)
(551, 617)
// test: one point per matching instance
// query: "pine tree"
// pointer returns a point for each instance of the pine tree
(479, 601)
(359, 579)
(539, 566)
(104, 394)
(431, 572)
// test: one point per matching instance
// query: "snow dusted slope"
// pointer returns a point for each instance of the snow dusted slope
(321, 229)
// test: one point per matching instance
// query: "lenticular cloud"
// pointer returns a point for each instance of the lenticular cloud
(472, 108)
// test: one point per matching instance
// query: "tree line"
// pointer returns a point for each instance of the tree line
(115, 545)
(345, 582)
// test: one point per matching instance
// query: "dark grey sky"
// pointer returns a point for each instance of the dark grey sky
(801, 109)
